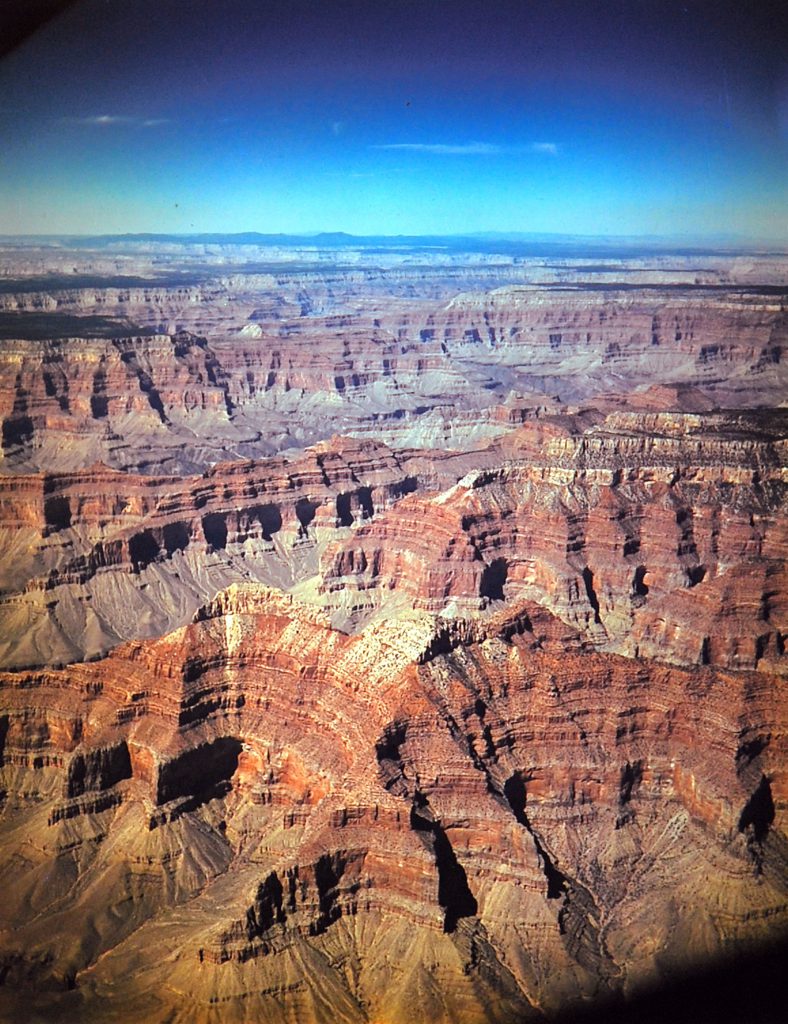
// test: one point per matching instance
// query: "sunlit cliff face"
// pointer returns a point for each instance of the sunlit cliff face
(517, 796)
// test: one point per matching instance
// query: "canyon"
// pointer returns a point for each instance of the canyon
(389, 631)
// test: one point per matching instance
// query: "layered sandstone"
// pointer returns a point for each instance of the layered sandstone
(174, 378)
(394, 634)
(102, 556)
(655, 534)
(421, 822)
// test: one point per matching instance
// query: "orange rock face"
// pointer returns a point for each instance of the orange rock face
(495, 808)
(392, 644)
(654, 537)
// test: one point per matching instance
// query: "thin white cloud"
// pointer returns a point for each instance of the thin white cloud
(471, 148)
(101, 120)
(105, 120)
(448, 149)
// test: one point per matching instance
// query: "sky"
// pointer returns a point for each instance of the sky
(613, 117)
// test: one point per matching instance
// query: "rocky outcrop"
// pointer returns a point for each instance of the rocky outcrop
(442, 822)
(105, 557)
(658, 536)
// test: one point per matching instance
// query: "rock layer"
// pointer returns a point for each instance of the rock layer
(656, 534)
(423, 822)
(395, 634)
(96, 566)
(253, 364)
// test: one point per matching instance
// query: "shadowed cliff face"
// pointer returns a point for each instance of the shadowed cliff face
(391, 644)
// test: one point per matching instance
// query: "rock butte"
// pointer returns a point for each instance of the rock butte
(381, 642)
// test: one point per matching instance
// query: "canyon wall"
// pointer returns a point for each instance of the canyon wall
(172, 379)
(390, 635)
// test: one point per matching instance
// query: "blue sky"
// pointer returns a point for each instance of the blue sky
(437, 116)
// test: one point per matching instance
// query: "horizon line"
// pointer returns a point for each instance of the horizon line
(490, 235)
